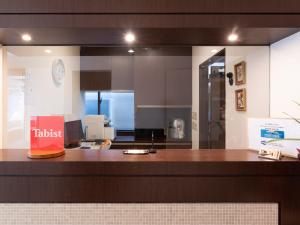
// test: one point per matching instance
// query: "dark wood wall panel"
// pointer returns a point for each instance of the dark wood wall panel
(149, 21)
(221, 15)
(212, 20)
(172, 176)
(149, 6)
(146, 37)
(148, 189)
(95, 80)
(164, 189)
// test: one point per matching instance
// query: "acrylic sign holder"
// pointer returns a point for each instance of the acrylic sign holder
(46, 137)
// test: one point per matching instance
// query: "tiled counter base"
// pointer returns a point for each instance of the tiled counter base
(136, 214)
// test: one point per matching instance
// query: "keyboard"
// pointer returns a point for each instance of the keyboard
(89, 145)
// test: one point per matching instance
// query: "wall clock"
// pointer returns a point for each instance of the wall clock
(58, 72)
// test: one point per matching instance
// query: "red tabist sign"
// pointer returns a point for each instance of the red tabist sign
(47, 133)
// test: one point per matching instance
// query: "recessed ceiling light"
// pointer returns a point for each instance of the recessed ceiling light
(48, 51)
(26, 37)
(131, 51)
(233, 37)
(129, 37)
(214, 51)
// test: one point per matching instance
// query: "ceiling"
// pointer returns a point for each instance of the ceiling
(145, 36)
(155, 23)
(149, 6)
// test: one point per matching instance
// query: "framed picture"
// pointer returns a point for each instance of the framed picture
(240, 73)
(240, 100)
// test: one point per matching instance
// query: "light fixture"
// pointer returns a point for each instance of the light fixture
(26, 37)
(233, 37)
(214, 51)
(48, 51)
(129, 37)
(131, 51)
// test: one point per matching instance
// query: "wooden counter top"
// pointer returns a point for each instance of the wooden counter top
(169, 155)
(164, 162)
(170, 176)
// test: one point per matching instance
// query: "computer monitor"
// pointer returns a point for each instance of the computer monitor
(73, 133)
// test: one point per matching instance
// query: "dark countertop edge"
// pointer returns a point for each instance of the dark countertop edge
(106, 169)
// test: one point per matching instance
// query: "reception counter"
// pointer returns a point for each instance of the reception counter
(169, 176)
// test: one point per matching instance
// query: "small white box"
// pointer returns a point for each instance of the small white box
(109, 133)
(94, 127)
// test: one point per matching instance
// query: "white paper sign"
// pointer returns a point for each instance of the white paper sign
(278, 134)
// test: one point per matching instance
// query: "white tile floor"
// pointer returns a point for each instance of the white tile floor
(136, 214)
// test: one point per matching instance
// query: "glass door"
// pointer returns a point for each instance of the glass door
(212, 102)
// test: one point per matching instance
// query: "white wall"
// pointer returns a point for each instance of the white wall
(257, 86)
(257, 91)
(78, 108)
(285, 77)
(3, 95)
(42, 96)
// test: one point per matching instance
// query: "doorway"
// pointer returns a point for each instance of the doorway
(212, 102)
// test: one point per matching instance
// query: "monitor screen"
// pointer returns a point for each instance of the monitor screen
(73, 133)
